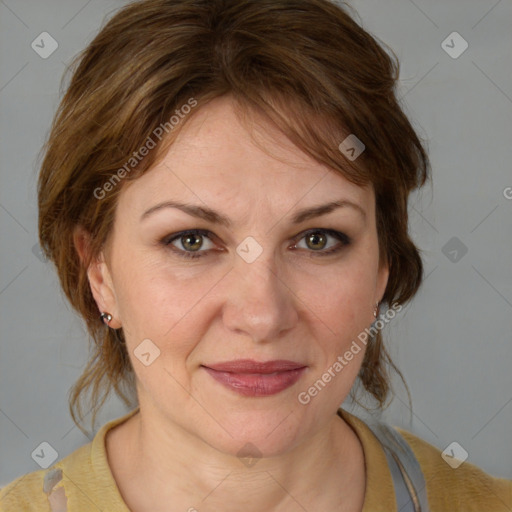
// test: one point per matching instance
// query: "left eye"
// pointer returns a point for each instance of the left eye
(318, 240)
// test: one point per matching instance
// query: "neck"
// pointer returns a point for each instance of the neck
(174, 466)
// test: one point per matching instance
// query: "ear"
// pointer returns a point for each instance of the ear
(382, 281)
(99, 276)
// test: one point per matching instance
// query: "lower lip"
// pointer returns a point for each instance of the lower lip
(257, 384)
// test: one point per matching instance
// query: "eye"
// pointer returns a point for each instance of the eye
(322, 241)
(196, 243)
(187, 243)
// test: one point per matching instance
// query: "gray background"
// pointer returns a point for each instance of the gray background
(453, 342)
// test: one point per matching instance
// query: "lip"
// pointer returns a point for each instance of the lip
(250, 366)
(253, 378)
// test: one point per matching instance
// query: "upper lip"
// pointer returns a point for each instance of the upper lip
(250, 366)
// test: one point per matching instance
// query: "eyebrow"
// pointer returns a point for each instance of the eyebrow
(214, 217)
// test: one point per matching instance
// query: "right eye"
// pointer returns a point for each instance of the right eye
(188, 244)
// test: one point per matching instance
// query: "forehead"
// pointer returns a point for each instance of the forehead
(224, 161)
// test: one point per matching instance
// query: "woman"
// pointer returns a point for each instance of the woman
(224, 195)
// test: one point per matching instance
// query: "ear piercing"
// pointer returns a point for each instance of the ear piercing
(106, 318)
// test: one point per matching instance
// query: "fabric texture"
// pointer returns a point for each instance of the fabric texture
(408, 480)
(83, 482)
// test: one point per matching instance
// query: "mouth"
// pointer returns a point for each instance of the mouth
(253, 378)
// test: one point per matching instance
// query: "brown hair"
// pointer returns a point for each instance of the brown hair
(305, 65)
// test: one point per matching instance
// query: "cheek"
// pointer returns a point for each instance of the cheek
(163, 310)
(158, 303)
(339, 311)
(341, 298)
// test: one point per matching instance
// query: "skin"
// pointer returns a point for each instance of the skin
(290, 303)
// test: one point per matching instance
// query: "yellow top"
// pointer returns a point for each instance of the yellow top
(85, 482)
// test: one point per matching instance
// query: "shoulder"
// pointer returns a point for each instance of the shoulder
(78, 480)
(466, 487)
(24, 494)
(43, 490)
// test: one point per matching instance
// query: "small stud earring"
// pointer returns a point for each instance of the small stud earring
(376, 310)
(106, 318)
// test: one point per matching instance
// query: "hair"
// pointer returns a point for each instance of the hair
(305, 66)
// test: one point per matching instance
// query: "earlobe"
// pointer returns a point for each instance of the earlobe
(99, 276)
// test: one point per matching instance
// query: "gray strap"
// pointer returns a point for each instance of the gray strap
(408, 480)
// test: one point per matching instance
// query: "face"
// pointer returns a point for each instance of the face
(257, 268)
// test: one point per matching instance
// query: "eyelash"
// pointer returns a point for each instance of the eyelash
(167, 242)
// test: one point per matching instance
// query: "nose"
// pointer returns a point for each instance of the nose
(260, 303)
